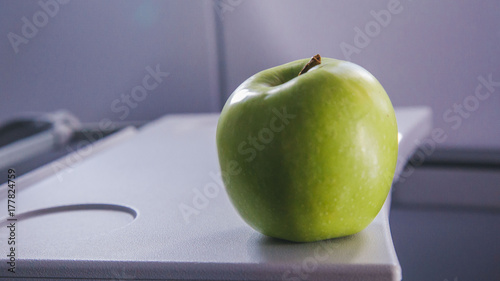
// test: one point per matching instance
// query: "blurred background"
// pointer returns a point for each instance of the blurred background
(135, 61)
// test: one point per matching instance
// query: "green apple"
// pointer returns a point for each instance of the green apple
(308, 157)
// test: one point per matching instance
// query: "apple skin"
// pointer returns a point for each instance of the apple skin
(310, 157)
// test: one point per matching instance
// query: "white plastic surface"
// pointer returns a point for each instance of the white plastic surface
(118, 215)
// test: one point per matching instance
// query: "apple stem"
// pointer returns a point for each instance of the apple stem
(316, 60)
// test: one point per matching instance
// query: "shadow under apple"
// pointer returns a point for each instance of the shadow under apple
(338, 250)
